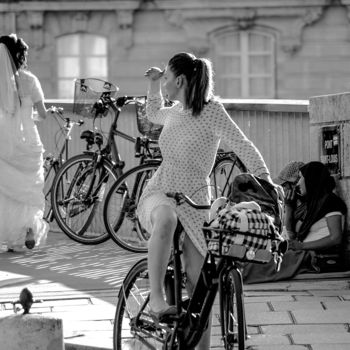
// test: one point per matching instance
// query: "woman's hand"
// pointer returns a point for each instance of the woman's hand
(289, 194)
(154, 73)
(295, 245)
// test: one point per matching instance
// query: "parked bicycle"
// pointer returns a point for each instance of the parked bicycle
(134, 328)
(79, 188)
(119, 213)
(52, 162)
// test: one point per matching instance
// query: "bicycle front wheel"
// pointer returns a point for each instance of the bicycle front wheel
(119, 213)
(227, 166)
(77, 197)
(233, 327)
(133, 327)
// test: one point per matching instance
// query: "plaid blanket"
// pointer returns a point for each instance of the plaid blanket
(241, 226)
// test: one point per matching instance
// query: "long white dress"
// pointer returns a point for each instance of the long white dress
(189, 145)
(21, 169)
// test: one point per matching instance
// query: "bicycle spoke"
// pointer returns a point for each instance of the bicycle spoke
(225, 170)
(79, 192)
(133, 327)
(120, 211)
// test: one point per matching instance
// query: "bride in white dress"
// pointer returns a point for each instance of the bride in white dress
(21, 151)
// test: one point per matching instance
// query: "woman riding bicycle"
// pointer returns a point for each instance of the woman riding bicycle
(193, 128)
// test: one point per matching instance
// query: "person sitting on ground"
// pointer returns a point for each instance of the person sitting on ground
(318, 230)
(322, 226)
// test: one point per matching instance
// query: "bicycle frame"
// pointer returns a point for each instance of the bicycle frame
(56, 162)
(112, 148)
(192, 325)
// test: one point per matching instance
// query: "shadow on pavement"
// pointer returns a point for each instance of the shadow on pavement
(66, 266)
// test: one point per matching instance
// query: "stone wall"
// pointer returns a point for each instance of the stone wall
(312, 46)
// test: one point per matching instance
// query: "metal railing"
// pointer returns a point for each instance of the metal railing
(279, 128)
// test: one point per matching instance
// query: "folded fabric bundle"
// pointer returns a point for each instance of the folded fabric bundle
(242, 224)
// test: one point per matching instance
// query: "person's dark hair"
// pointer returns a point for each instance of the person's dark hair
(17, 48)
(319, 185)
(199, 76)
(318, 180)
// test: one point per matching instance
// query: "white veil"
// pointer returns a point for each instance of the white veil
(9, 104)
(9, 98)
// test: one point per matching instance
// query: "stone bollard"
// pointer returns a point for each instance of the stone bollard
(29, 332)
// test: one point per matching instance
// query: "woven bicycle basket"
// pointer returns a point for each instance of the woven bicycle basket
(146, 127)
(87, 92)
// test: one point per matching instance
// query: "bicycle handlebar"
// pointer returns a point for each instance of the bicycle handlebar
(59, 112)
(181, 198)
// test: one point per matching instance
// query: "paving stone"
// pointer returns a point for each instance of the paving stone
(256, 307)
(70, 326)
(330, 305)
(310, 328)
(319, 317)
(106, 300)
(258, 298)
(296, 305)
(93, 341)
(264, 318)
(318, 298)
(332, 347)
(321, 338)
(338, 292)
(272, 293)
(267, 339)
(67, 302)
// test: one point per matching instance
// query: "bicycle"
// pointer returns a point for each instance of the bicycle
(119, 212)
(51, 162)
(80, 185)
(134, 328)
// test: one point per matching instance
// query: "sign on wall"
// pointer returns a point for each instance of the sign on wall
(330, 148)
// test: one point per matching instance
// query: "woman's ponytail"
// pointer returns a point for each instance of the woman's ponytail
(199, 86)
(199, 75)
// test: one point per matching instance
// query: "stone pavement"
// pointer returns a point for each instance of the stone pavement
(79, 284)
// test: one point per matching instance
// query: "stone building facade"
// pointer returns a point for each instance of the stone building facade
(285, 49)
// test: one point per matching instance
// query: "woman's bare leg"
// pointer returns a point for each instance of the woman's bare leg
(193, 262)
(164, 221)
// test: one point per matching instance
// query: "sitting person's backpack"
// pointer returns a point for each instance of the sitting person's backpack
(247, 187)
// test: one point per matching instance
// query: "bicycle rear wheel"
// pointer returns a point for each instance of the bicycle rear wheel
(119, 213)
(227, 166)
(77, 197)
(232, 311)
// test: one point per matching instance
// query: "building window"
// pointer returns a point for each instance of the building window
(80, 56)
(245, 64)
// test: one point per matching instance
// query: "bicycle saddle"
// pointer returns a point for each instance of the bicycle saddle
(88, 135)
(92, 137)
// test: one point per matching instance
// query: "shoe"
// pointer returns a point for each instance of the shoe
(30, 241)
(165, 315)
